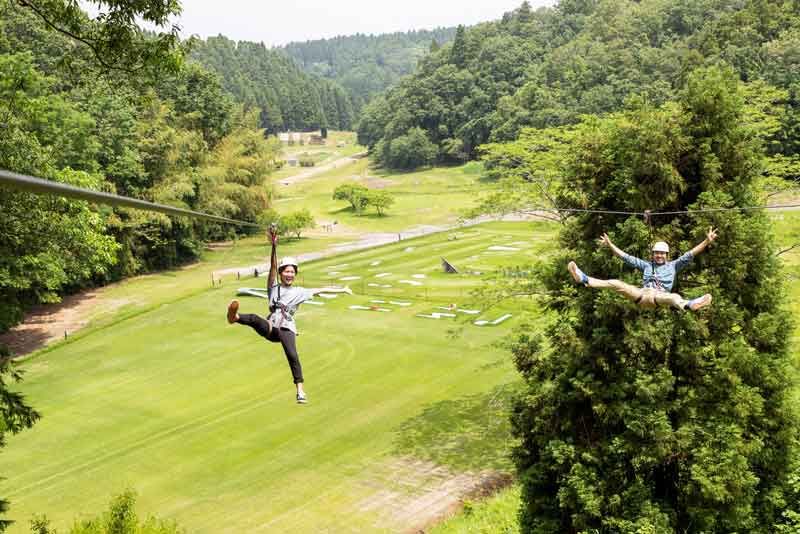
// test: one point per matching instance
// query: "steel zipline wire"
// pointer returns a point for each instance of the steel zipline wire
(31, 184)
(657, 213)
(22, 182)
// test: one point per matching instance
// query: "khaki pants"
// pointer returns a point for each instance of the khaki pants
(646, 297)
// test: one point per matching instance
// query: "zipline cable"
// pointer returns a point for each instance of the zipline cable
(31, 184)
(648, 213)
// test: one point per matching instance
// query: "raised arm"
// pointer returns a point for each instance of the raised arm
(605, 241)
(272, 236)
(700, 247)
(633, 261)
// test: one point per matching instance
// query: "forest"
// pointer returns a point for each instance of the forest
(366, 65)
(550, 67)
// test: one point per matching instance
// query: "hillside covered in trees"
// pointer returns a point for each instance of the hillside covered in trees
(268, 80)
(164, 130)
(366, 65)
(548, 67)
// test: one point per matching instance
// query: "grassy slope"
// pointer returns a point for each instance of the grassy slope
(198, 416)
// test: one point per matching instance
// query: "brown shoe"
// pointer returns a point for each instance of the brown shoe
(233, 309)
(699, 302)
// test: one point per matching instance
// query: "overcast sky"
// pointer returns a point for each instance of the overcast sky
(277, 22)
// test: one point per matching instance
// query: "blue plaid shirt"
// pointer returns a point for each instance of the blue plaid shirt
(663, 276)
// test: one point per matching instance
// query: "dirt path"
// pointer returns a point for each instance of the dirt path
(47, 323)
(313, 171)
(416, 494)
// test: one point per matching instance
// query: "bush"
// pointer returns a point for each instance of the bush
(306, 160)
(120, 518)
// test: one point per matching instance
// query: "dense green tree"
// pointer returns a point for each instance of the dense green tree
(355, 194)
(662, 421)
(408, 151)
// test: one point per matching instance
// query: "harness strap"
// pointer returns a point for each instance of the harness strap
(649, 221)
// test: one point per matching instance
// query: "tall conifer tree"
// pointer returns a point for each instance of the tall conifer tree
(662, 421)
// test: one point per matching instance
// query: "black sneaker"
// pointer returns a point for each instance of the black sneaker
(301, 398)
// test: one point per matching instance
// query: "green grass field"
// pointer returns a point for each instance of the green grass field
(160, 395)
(198, 417)
(434, 196)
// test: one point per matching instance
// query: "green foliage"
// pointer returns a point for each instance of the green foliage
(662, 421)
(527, 171)
(366, 65)
(294, 223)
(15, 415)
(121, 518)
(494, 515)
(114, 37)
(306, 160)
(360, 197)
(551, 66)
(268, 81)
(380, 200)
(356, 194)
(408, 151)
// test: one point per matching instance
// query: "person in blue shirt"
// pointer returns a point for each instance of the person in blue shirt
(658, 276)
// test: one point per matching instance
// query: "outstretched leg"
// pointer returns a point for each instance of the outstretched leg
(677, 301)
(630, 292)
(256, 322)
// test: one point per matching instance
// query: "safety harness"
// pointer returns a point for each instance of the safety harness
(278, 305)
(658, 287)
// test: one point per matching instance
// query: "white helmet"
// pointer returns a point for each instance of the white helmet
(287, 261)
(660, 246)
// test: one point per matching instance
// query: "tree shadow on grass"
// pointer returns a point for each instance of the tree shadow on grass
(468, 433)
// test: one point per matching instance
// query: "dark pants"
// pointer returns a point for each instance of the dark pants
(276, 335)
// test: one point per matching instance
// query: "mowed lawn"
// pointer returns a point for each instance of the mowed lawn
(199, 418)
(432, 196)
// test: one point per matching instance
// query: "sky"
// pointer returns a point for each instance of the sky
(277, 22)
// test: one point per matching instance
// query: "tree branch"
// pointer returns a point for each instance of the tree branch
(787, 249)
(85, 40)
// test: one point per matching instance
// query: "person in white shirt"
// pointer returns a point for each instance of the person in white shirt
(284, 299)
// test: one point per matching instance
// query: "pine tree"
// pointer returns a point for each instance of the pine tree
(662, 421)
(458, 54)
